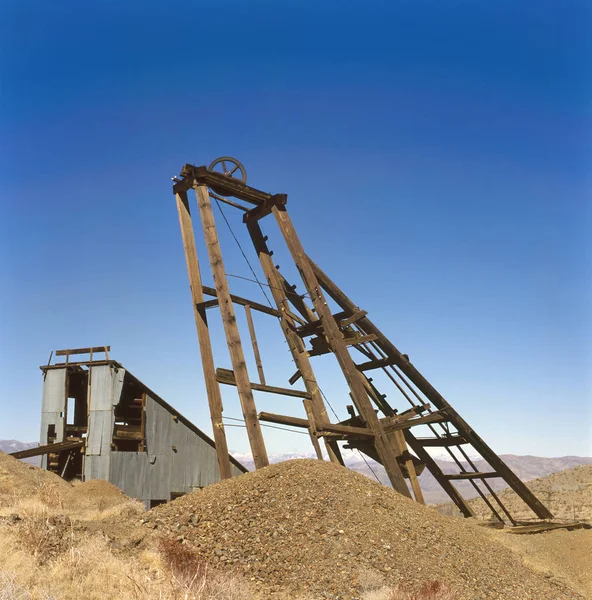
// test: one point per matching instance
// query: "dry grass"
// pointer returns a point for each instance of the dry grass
(89, 568)
(433, 590)
(46, 554)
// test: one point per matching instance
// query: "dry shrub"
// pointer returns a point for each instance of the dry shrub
(127, 509)
(193, 577)
(184, 564)
(431, 590)
(44, 538)
(50, 496)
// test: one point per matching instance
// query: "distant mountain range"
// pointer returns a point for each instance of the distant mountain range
(526, 467)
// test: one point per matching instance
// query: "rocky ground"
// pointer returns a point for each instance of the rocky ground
(299, 530)
(567, 494)
(312, 526)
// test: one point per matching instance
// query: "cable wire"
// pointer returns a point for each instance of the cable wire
(242, 252)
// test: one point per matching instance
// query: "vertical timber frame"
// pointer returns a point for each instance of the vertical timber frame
(385, 447)
(205, 344)
(231, 331)
(385, 439)
(295, 343)
(437, 399)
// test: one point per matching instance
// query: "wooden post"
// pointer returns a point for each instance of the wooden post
(231, 328)
(366, 325)
(312, 430)
(295, 343)
(417, 493)
(384, 446)
(205, 345)
(254, 343)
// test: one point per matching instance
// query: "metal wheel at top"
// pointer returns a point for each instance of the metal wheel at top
(229, 167)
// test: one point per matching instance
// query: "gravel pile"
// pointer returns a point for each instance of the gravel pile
(307, 526)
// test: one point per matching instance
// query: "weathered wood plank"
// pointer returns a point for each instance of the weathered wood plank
(330, 427)
(244, 302)
(203, 335)
(225, 376)
(230, 326)
(254, 344)
(312, 430)
(295, 343)
(470, 475)
(90, 350)
(405, 365)
(336, 341)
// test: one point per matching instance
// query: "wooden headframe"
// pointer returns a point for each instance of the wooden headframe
(375, 427)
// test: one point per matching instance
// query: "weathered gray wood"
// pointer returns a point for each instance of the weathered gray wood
(329, 427)
(354, 379)
(205, 344)
(244, 302)
(312, 430)
(434, 396)
(254, 344)
(231, 329)
(226, 376)
(295, 343)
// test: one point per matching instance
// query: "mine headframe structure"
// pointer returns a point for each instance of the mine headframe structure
(375, 427)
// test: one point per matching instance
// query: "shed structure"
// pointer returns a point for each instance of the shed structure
(98, 421)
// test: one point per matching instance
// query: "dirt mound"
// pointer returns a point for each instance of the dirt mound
(311, 526)
(567, 494)
(98, 491)
(18, 479)
(23, 484)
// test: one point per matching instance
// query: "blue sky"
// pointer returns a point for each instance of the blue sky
(436, 157)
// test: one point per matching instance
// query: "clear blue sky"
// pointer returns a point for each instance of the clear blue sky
(436, 157)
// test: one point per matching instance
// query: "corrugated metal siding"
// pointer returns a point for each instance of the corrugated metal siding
(176, 460)
(130, 473)
(53, 407)
(105, 387)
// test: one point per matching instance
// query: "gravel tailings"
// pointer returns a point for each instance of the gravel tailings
(308, 526)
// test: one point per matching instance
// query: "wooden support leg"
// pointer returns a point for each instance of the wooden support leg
(336, 342)
(417, 493)
(368, 327)
(205, 345)
(288, 325)
(312, 430)
(231, 328)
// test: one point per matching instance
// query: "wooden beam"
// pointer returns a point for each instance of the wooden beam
(265, 207)
(375, 364)
(469, 475)
(207, 304)
(355, 317)
(392, 424)
(329, 427)
(225, 376)
(339, 348)
(295, 343)
(231, 331)
(453, 440)
(435, 470)
(203, 335)
(254, 344)
(219, 183)
(320, 346)
(312, 430)
(434, 396)
(91, 350)
(244, 302)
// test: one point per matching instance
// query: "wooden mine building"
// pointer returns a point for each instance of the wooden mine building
(98, 421)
